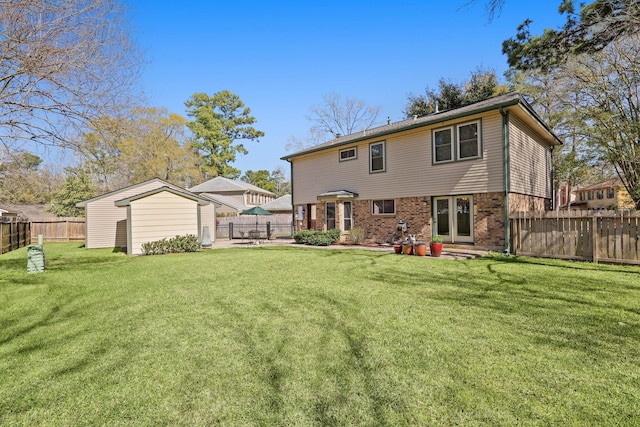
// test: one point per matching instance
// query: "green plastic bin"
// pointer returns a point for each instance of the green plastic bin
(35, 259)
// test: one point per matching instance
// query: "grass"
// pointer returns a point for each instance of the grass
(304, 336)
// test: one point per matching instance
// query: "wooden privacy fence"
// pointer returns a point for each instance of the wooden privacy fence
(58, 229)
(608, 236)
(15, 233)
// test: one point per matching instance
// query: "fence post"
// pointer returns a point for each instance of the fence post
(268, 230)
(594, 237)
(230, 231)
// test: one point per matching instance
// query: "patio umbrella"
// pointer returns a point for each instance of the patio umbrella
(256, 210)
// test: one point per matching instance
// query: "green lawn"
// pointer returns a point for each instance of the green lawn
(304, 336)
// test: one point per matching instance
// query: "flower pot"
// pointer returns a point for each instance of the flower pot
(435, 249)
(397, 248)
(421, 249)
(407, 248)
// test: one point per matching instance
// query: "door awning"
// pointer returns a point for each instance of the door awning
(338, 194)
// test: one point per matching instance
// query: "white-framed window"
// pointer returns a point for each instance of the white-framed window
(610, 193)
(347, 216)
(600, 194)
(348, 154)
(458, 142)
(330, 215)
(383, 207)
(469, 141)
(377, 157)
(443, 145)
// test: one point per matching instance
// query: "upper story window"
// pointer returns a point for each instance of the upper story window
(581, 196)
(348, 154)
(443, 147)
(468, 141)
(377, 161)
(610, 193)
(600, 194)
(383, 207)
(459, 142)
(590, 195)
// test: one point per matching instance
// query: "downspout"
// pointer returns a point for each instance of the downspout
(293, 206)
(553, 191)
(506, 173)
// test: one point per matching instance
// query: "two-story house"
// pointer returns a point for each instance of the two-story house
(609, 194)
(456, 173)
(233, 196)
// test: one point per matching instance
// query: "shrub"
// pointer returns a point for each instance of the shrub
(303, 236)
(178, 244)
(357, 234)
(335, 234)
(317, 238)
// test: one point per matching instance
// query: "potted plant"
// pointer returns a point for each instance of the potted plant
(435, 247)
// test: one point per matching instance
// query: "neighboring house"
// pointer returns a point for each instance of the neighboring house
(457, 173)
(233, 196)
(281, 205)
(25, 211)
(610, 194)
(145, 212)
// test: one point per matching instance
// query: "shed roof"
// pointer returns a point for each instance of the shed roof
(83, 204)
(178, 192)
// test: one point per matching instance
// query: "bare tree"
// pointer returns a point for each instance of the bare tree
(342, 116)
(62, 63)
(492, 7)
(336, 116)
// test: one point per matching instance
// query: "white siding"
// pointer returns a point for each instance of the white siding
(530, 171)
(161, 215)
(106, 223)
(409, 168)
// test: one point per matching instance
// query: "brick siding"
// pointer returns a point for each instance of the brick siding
(489, 231)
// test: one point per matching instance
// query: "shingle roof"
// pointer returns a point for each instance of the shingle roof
(27, 211)
(615, 182)
(496, 102)
(220, 184)
(338, 194)
(83, 204)
(225, 200)
(280, 204)
(184, 193)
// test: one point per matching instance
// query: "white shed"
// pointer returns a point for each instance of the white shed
(109, 226)
(159, 214)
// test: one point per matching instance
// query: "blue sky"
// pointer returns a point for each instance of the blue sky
(282, 57)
